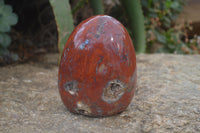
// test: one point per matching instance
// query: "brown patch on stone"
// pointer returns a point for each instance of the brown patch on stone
(113, 91)
(71, 87)
(83, 108)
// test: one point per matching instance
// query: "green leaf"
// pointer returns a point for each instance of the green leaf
(161, 38)
(167, 22)
(175, 5)
(145, 3)
(134, 10)
(168, 3)
(4, 27)
(3, 51)
(14, 57)
(7, 9)
(171, 46)
(11, 19)
(97, 6)
(7, 17)
(1, 2)
(175, 38)
(64, 21)
(5, 40)
(163, 50)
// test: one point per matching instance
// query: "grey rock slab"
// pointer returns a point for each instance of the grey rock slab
(167, 99)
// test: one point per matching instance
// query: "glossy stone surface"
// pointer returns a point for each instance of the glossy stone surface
(97, 73)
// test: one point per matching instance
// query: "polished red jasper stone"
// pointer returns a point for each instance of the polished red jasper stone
(97, 73)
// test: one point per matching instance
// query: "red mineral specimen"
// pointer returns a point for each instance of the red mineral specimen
(97, 73)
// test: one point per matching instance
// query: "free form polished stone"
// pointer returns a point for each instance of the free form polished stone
(97, 73)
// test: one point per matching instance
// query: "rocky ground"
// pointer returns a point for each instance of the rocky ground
(167, 99)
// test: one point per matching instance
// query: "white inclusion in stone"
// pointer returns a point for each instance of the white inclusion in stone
(112, 39)
(72, 92)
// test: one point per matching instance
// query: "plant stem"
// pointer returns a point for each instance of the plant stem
(136, 18)
(79, 5)
(64, 21)
(97, 6)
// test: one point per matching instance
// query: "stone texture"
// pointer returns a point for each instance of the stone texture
(167, 99)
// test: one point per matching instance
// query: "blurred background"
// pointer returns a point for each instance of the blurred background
(30, 28)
